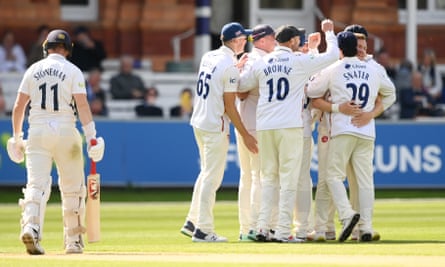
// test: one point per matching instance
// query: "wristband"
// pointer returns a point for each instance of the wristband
(335, 108)
(90, 131)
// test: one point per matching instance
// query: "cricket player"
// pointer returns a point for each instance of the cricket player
(249, 190)
(324, 207)
(214, 105)
(350, 79)
(55, 90)
(281, 76)
(303, 203)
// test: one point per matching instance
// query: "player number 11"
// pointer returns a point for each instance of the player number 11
(54, 88)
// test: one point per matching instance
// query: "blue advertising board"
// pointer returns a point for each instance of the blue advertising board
(164, 153)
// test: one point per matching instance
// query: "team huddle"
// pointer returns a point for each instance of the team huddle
(274, 95)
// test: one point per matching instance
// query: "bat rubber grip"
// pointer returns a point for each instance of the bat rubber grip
(93, 142)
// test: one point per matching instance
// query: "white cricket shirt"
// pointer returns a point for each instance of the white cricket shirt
(50, 84)
(217, 74)
(351, 79)
(281, 76)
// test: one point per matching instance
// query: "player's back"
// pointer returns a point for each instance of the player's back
(281, 88)
(208, 107)
(353, 80)
(50, 84)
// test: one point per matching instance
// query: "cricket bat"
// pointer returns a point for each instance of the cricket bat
(93, 203)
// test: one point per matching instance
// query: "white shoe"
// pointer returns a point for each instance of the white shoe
(330, 235)
(290, 239)
(319, 237)
(355, 234)
(199, 236)
(30, 237)
(348, 226)
(74, 248)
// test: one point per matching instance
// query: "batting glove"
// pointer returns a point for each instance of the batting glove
(15, 148)
(96, 152)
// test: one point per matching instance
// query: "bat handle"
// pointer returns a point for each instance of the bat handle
(93, 142)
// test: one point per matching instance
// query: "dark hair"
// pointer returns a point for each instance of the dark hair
(347, 42)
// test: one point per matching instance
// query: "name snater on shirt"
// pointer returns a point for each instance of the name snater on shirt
(49, 72)
(354, 73)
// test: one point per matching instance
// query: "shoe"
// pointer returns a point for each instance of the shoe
(317, 236)
(199, 236)
(262, 236)
(74, 248)
(188, 229)
(355, 234)
(30, 237)
(368, 236)
(348, 226)
(290, 239)
(330, 235)
(252, 235)
(244, 238)
(302, 236)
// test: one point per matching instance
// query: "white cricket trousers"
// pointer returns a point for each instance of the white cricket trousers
(360, 153)
(324, 206)
(249, 188)
(281, 153)
(60, 143)
(303, 203)
(213, 149)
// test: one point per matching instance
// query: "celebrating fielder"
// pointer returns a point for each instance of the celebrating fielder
(350, 79)
(214, 105)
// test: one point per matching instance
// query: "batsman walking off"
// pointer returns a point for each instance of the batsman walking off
(55, 90)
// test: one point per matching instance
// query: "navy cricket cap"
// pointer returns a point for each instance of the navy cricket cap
(347, 42)
(357, 29)
(285, 33)
(233, 30)
(261, 31)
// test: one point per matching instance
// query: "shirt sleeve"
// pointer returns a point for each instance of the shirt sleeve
(231, 79)
(248, 81)
(78, 82)
(318, 84)
(313, 62)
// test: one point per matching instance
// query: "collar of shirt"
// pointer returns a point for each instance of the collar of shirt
(228, 51)
(283, 48)
(56, 56)
(259, 51)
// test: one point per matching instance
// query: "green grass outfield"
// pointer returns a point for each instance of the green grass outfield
(146, 233)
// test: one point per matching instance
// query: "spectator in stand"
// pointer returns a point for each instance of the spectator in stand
(432, 80)
(384, 59)
(418, 99)
(126, 84)
(148, 108)
(12, 56)
(185, 107)
(403, 77)
(412, 98)
(95, 94)
(88, 53)
(36, 51)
